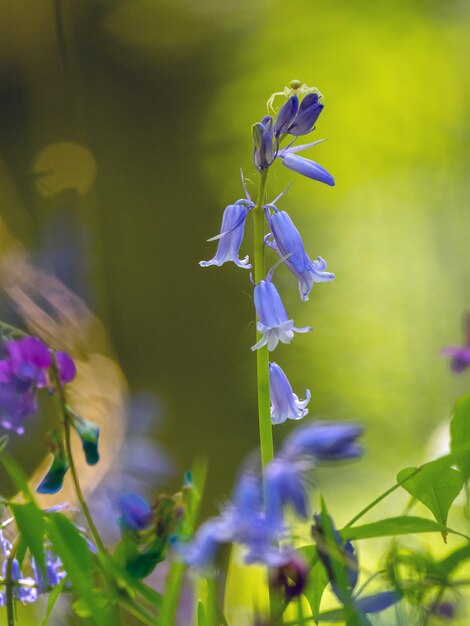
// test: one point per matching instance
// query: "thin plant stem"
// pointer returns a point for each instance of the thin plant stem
(262, 355)
(73, 470)
(9, 583)
(379, 499)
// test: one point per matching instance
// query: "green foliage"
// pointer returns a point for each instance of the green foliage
(316, 585)
(30, 522)
(201, 614)
(53, 597)
(436, 485)
(75, 554)
(389, 527)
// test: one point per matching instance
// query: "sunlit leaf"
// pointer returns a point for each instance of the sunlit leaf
(403, 525)
(316, 584)
(30, 522)
(74, 552)
(435, 486)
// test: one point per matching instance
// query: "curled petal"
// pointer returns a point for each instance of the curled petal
(285, 404)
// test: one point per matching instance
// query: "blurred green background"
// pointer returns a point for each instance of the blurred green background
(123, 126)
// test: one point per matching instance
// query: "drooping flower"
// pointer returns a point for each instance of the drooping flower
(231, 235)
(273, 322)
(285, 404)
(285, 239)
(304, 166)
(324, 441)
(23, 371)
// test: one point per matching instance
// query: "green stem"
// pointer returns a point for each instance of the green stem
(262, 355)
(382, 496)
(9, 583)
(73, 469)
(172, 594)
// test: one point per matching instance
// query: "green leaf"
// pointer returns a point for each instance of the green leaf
(435, 485)
(30, 521)
(460, 433)
(316, 585)
(403, 525)
(74, 552)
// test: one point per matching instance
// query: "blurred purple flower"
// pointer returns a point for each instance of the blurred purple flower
(136, 512)
(285, 485)
(460, 355)
(285, 404)
(25, 369)
(54, 573)
(324, 441)
(273, 322)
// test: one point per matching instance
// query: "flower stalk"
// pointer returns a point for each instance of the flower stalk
(262, 355)
(73, 470)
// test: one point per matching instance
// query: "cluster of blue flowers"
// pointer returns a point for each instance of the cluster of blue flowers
(293, 120)
(255, 518)
(27, 589)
